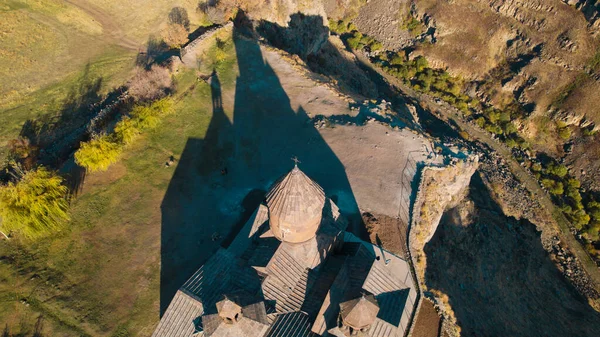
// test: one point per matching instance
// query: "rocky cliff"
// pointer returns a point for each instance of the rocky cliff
(440, 189)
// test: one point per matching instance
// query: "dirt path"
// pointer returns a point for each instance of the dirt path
(448, 112)
(110, 29)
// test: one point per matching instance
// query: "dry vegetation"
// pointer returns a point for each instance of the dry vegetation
(525, 51)
(148, 85)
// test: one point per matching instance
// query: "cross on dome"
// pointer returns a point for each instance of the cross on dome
(296, 161)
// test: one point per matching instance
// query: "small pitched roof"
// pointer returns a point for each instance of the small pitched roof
(360, 312)
(295, 205)
(229, 310)
(251, 321)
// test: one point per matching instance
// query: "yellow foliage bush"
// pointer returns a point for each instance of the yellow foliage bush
(98, 154)
(35, 204)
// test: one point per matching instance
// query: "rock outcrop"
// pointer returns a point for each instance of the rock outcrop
(440, 189)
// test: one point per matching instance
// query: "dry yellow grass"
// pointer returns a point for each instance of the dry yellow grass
(463, 45)
(585, 100)
(473, 38)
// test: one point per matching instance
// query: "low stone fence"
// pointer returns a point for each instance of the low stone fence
(188, 54)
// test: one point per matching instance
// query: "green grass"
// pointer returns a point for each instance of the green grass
(107, 264)
(112, 67)
(101, 276)
(42, 42)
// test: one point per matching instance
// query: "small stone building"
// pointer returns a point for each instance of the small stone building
(294, 271)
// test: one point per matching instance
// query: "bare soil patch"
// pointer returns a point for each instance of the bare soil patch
(427, 321)
(390, 233)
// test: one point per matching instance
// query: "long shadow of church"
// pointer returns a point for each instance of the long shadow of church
(222, 178)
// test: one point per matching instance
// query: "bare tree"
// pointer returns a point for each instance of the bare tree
(215, 10)
(179, 16)
(150, 84)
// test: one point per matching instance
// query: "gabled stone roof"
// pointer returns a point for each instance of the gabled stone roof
(295, 204)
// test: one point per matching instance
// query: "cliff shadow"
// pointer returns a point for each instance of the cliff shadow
(308, 37)
(499, 279)
(215, 186)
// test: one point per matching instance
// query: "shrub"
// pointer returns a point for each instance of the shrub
(564, 133)
(179, 16)
(566, 209)
(398, 59)
(554, 187)
(98, 154)
(23, 152)
(523, 144)
(588, 131)
(34, 205)
(355, 42)
(593, 208)
(420, 63)
(510, 142)
(557, 170)
(579, 219)
(148, 116)
(509, 128)
(464, 135)
(557, 188)
(375, 46)
(495, 129)
(126, 130)
(412, 25)
(341, 26)
(150, 84)
(480, 122)
(593, 233)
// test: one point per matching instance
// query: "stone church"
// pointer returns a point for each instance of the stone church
(294, 271)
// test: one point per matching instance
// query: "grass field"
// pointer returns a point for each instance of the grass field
(50, 46)
(102, 276)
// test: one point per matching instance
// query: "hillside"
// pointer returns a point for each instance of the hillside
(484, 115)
(539, 57)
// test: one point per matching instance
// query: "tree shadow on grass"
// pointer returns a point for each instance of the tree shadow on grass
(57, 134)
(498, 277)
(54, 136)
(214, 187)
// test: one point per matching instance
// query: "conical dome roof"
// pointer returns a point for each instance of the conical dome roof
(295, 204)
(359, 313)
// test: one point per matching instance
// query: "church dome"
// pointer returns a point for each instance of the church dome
(295, 204)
